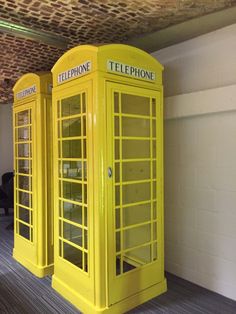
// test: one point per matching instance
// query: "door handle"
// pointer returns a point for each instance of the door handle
(109, 172)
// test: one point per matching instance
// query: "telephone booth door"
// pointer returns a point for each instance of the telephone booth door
(24, 216)
(134, 139)
(73, 183)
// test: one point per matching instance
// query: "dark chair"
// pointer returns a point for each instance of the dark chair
(7, 192)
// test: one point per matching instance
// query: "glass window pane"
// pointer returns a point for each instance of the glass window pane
(24, 198)
(72, 191)
(136, 236)
(134, 104)
(117, 126)
(73, 234)
(127, 266)
(71, 106)
(116, 102)
(135, 149)
(140, 255)
(22, 118)
(133, 193)
(136, 214)
(153, 107)
(24, 182)
(71, 149)
(117, 195)
(117, 217)
(117, 149)
(154, 149)
(154, 128)
(23, 150)
(71, 169)
(24, 231)
(135, 127)
(118, 265)
(139, 170)
(84, 102)
(71, 127)
(84, 126)
(23, 134)
(73, 255)
(24, 214)
(24, 166)
(72, 212)
(155, 251)
(118, 241)
(117, 172)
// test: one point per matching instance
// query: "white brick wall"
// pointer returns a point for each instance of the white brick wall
(200, 160)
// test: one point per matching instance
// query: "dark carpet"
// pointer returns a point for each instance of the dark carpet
(21, 292)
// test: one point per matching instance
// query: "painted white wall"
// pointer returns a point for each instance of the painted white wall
(200, 160)
(6, 139)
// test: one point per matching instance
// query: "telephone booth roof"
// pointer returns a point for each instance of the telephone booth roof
(31, 84)
(116, 59)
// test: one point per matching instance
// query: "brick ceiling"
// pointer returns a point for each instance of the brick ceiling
(84, 21)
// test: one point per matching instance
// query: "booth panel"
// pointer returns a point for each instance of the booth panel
(72, 196)
(135, 184)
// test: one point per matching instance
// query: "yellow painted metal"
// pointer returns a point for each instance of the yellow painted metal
(108, 203)
(33, 202)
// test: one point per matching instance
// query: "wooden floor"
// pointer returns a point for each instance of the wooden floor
(21, 292)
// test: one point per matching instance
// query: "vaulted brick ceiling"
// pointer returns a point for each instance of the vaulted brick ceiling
(84, 21)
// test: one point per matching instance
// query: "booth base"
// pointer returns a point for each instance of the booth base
(117, 308)
(34, 269)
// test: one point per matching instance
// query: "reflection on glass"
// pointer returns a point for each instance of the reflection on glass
(23, 150)
(22, 118)
(72, 191)
(117, 241)
(24, 166)
(24, 198)
(73, 255)
(135, 149)
(134, 104)
(71, 106)
(24, 231)
(71, 127)
(136, 214)
(135, 127)
(23, 134)
(71, 149)
(24, 214)
(73, 234)
(24, 182)
(72, 212)
(137, 170)
(136, 236)
(141, 255)
(72, 169)
(138, 192)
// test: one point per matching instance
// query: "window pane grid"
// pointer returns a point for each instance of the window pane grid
(72, 166)
(135, 181)
(23, 175)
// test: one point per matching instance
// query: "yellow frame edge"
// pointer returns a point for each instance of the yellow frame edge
(117, 308)
(36, 270)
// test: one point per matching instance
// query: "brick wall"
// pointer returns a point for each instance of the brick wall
(82, 22)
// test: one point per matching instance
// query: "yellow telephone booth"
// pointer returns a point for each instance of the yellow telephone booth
(108, 178)
(33, 210)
